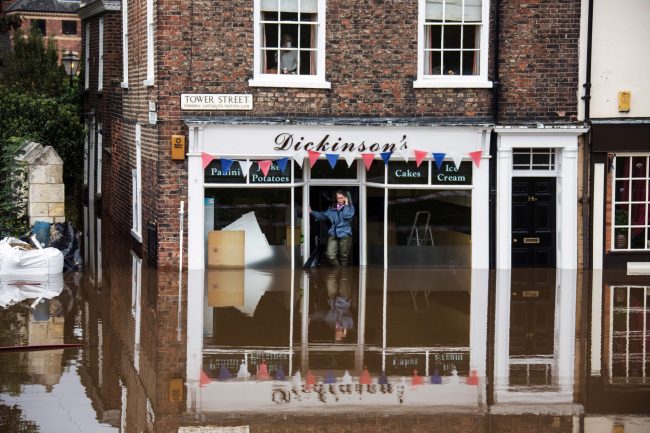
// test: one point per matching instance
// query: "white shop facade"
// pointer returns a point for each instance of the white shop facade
(420, 192)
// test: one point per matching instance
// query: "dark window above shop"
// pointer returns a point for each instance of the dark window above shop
(40, 25)
(69, 27)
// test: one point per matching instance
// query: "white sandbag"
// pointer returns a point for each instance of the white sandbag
(14, 260)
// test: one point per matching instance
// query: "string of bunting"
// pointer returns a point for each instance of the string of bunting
(332, 158)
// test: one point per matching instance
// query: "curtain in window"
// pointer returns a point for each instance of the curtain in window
(453, 10)
(264, 52)
(428, 63)
(638, 193)
(307, 6)
(312, 55)
(477, 44)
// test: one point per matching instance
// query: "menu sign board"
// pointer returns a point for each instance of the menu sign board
(448, 174)
(214, 173)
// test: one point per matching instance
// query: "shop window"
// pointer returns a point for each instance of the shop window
(631, 195)
(429, 228)
(323, 170)
(264, 214)
(290, 41)
(69, 27)
(453, 45)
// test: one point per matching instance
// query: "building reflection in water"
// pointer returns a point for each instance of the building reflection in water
(344, 336)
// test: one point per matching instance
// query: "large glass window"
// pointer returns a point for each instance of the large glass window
(454, 43)
(429, 227)
(631, 195)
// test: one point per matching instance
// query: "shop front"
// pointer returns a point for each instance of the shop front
(420, 193)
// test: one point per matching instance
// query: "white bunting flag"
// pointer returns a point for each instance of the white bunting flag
(299, 157)
(245, 166)
(349, 157)
(457, 158)
(404, 153)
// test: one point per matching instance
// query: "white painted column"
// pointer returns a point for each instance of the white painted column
(597, 217)
(504, 207)
(596, 321)
(195, 289)
(195, 196)
(568, 196)
(502, 329)
(478, 321)
(480, 214)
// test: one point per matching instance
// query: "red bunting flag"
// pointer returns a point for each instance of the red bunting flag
(419, 156)
(476, 157)
(204, 380)
(367, 159)
(313, 156)
(265, 165)
(365, 378)
(416, 380)
(206, 159)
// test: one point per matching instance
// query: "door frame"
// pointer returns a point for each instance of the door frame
(565, 143)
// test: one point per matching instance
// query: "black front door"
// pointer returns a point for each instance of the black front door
(533, 222)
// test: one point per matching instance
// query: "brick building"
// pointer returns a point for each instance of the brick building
(467, 96)
(55, 19)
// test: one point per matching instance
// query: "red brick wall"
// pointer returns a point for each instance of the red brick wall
(539, 60)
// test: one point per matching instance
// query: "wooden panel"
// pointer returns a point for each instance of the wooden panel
(226, 249)
(225, 287)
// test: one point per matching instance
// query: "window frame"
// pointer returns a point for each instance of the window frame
(149, 80)
(87, 58)
(100, 67)
(63, 31)
(454, 81)
(614, 202)
(316, 81)
(125, 45)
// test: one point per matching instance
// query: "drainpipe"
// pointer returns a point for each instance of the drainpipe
(585, 200)
(493, 135)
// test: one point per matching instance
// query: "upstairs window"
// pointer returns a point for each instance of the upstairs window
(452, 43)
(69, 27)
(39, 24)
(631, 199)
(290, 43)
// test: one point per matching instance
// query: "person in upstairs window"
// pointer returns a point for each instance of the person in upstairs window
(288, 57)
(340, 215)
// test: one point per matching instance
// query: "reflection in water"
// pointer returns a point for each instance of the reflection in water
(327, 349)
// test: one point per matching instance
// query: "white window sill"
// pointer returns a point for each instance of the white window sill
(136, 235)
(294, 82)
(124, 85)
(446, 83)
(147, 83)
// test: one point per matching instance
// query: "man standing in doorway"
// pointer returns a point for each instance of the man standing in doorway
(340, 215)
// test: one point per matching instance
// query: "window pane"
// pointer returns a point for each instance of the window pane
(452, 37)
(638, 190)
(429, 228)
(621, 215)
(375, 226)
(435, 63)
(308, 17)
(621, 238)
(288, 16)
(376, 173)
(639, 166)
(622, 166)
(453, 10)
(471, 37)
(434, 37)
(69, 27)
(471, 63)
(638, 214)
(622, 190)
(323, 170)
(473, 10)
(637, 238)
(451, 63)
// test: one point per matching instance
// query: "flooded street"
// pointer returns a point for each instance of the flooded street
(326, 349)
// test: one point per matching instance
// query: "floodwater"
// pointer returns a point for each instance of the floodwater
(336, 350)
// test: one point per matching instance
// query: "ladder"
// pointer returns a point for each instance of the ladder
(420, 230)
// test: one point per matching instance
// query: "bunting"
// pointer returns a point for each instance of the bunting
(349, 158)
(367, 159)
(313, 157)
(457, 158)
(419, 157)
(386, 156)
(438, 158)
(264, 165)
(245, 166)
(206, 159)
(225, 164)
(476, 157)
(282, 163)
(332, 158)
(299, 157)
(404, 153)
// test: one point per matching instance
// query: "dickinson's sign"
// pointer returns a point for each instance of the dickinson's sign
(216, 102)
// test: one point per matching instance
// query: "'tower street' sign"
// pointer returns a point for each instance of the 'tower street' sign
(209, 101)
